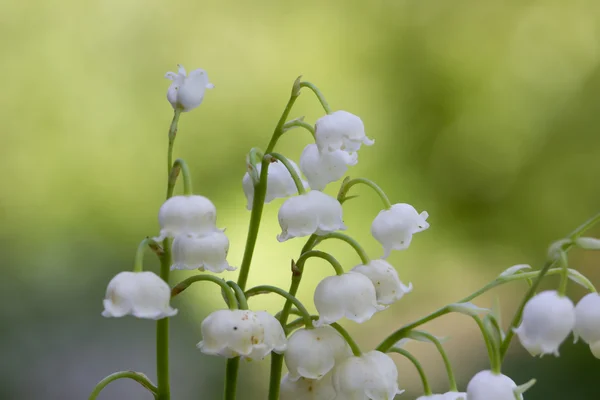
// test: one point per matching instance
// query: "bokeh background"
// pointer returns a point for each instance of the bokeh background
(484, 113)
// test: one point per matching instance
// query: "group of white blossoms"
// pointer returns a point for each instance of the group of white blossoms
(320, 362)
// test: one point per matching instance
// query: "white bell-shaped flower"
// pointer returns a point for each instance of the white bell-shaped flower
(548, 318)
(321, 168)
(431, 397)
(454, 396)
(587, 321)
(279, 183)
(141, 294)
(394, 228)
(384, 277)
(486, 385)
(186, 214)
(203, 252)
(372, 376)
(306, 389)
(187, 91)
(351, 295)
(313, 212)
(232, 333)
(312, 353)
(341, 130)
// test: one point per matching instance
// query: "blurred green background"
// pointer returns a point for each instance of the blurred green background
(485, 114)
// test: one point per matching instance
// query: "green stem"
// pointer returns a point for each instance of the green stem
(138, 262)
(290, 168)
(346, 185)
(492, 349)
(231, 373)
(297, 123)
(162, 333)
(339, 270)
(136, 376)
(260, 191)
(389, 341)
(262, 289)
(239, 294)
(172, 135)
(418, 366)
(564, 276)
(181, 165)
(319, 95)
(181, 286)
(352, 242)
(355, 349)
(277, 359)
(438, 345)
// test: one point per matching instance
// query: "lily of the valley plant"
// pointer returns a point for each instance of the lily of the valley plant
(322, 360)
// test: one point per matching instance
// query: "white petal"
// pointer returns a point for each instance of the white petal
(204, 252)
(384, 277)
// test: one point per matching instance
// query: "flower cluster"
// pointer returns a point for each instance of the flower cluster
(323, 361)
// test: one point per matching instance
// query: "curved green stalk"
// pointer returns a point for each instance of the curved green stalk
(239, 294)
(136, 376)
(286, 163)
(339, 270)
(355, 349)
(418, 366)
(172, 135)
(492, 348)
(347, 184)
(438, 345)
(138, 262)
(186, 283)
(263, 289)
(298, 123)
(181, 165)
(352, 242)
(319, 95)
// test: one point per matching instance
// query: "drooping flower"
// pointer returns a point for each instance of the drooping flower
(351, 295)
(384, 277)
(486, 385)
(203, 252)
(141, 294)
(186, 214)
(312, 353)
(279, 183)
(445, 396)
(372, 376)
(232, 333)
(321, 168)
(548, 318)
(587, 321)
(306, 389)
(187, 91)
(313, 212)
(341, 130)
(395, 227)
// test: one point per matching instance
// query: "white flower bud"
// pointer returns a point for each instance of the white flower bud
(351, 295)
(312, 353)
(306, 389)
(232, 333)
(486, 385)
(341, 130)
(587, 321)
(454, 396)
(384, 277)
(394, 228)
(431, 397)
(548, 318)
(141, 294)
(279, 183)
(373, 376)
(313, 212)
(186, 214)
(187, 91)
(321, 168)
(588, 243)
(203, 252)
